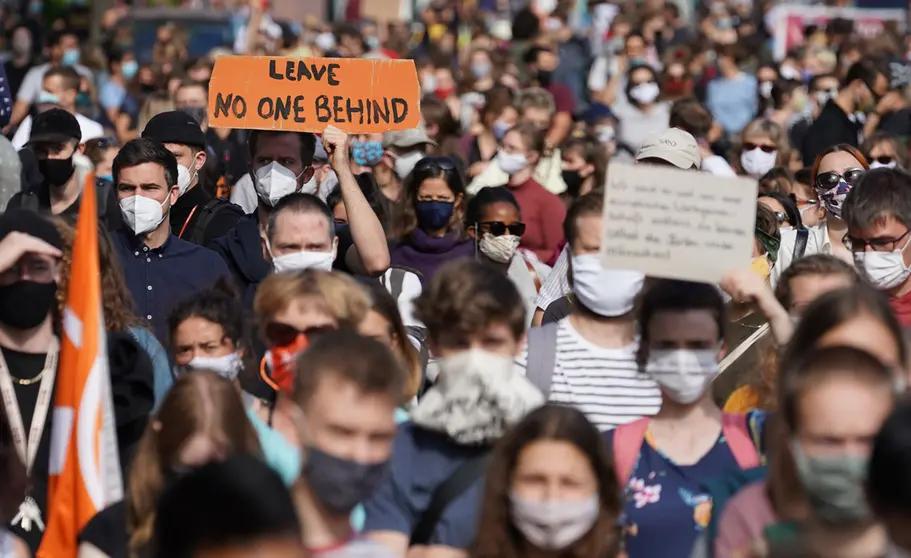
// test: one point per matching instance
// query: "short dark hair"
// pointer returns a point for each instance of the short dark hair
(888, 485)
(365, 362)
(813, 84)
(464, 298)
(485, 197)
(300, 203)
(235, 501)
(144, 150)
(819, 365)
(307, 143)
(880, 193)
(218, 304)
(691, 116)
(814, 264)
(589, 204)
(791, 213)
(864, 70)
(57, 37)
(532, 54)
(70, 77)
(671, 295)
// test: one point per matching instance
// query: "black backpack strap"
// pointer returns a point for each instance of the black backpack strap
(800, 245)
(396, 282)
(30, 201)
(206, 214)
(102, 193)
(461, 479)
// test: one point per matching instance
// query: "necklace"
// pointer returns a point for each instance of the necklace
(29, 381)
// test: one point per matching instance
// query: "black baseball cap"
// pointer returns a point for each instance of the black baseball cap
(175, 126)
(54, 126)
(26, 221)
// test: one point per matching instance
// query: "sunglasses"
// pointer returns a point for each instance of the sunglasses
(829, 180)
(883, 160)
(442, 163)
(278, 334)
(764, 148)
(499, 228)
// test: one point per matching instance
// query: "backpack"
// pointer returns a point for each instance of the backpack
(800, 245)
(628, 440)
(209, 211)
(542, 356)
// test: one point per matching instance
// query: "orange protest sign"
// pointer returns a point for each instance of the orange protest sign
(356, 95)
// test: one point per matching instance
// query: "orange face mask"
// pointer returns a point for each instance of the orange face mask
(277, 367)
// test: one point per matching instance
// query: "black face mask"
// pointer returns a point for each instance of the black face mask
(545, 77)
(340, 484)
(197, 113)
(25, 304)
(573, 182)
(56, 172)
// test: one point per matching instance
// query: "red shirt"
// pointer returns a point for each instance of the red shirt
(563, 98)
(902, 308)
(543, 214)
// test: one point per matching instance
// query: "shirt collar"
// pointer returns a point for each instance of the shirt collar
(138, 247)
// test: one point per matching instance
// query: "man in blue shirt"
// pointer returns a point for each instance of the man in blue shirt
(732, 98)
(160, 269)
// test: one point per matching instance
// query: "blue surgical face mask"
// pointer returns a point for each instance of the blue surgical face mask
(129, 69)
(500, 129)
(48, 97)
(433, 215)
(284, 458)
(70, 57)
(105, 178)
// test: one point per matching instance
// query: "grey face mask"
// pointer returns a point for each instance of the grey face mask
(198, 113)
(834, 485)
(341, 484)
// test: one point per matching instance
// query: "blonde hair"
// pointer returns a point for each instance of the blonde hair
(153, 106)
(338, 295)
(200, 402)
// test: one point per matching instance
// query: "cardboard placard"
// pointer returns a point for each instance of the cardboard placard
(676, 224)
(356, 95)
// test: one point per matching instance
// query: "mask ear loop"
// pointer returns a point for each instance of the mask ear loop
(477, 239)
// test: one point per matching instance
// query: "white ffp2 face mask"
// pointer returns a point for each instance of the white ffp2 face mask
(299, 261)
(184, 178)
(757, 162)
(884, 270)
(683, 374)
(554, 524)
(404, 164)
(606, 292)
(142, 214)
(274, 181)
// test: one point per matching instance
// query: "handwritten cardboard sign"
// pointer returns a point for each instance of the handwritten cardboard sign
(355, 95)
(677, 224)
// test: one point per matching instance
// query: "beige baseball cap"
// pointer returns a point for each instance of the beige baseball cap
(673, 145)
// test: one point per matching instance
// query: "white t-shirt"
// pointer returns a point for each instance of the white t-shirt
(605, 384)
(89, 128)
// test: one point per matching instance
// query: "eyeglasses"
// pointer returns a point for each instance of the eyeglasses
(765, 148)
(883, 160)
(442, 163)
(278, 334)
(780, 217)
(829, 180)
(499, 228)
(876, 244)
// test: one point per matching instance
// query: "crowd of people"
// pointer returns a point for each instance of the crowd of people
(406, 344)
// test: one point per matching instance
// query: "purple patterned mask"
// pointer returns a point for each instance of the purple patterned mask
(834, 197)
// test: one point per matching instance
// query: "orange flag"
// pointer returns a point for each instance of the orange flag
(84, 463)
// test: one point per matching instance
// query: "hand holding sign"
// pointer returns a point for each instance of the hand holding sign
(335, 142)
(356, 95)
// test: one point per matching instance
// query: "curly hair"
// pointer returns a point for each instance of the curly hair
(497, 537)
(116, 301)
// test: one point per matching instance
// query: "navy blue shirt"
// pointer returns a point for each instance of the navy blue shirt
(160, 278)
(421, 461)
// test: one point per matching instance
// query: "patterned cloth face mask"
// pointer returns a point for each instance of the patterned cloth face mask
(833, 188)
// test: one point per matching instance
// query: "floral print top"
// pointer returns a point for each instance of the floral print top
(665, 504)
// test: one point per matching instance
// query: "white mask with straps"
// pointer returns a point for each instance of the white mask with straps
(683, 374)
(404, 164)
(274, 181)
(606, 292)
(299, 261)
(142, 214)
(184, 178)
(227, 366)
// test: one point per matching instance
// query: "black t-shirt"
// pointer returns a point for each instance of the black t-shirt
(107, 531)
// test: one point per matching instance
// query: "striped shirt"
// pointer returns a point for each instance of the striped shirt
(605, 384)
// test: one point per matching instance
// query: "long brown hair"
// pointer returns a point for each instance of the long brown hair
(428, 168)
(200, 402)
(497, 537)
(116, 301)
